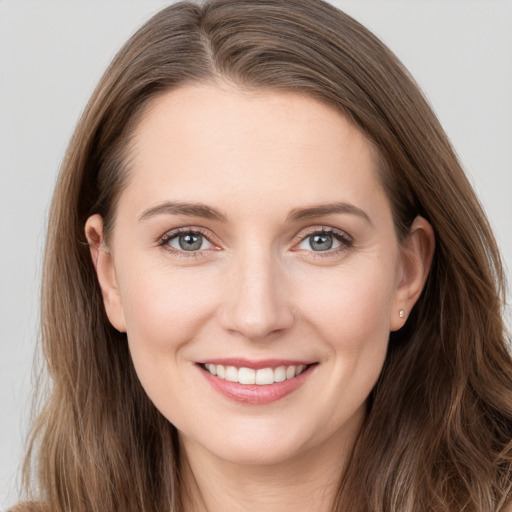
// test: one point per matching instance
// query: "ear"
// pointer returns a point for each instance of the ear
(105, 271)
(417, 251)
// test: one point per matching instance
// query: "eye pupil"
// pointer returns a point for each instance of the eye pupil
(321, 242)
(190, 242)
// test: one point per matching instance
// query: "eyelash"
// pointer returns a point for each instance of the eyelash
(346, 241)
(165, 239)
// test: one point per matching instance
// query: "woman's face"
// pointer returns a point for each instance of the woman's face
(253, 241)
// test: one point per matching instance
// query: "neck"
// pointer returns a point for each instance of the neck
(308, 482)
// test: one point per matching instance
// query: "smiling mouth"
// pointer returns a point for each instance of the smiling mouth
(256, 382)
(260, 377)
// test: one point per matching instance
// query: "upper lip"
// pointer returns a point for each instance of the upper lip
(256, 364)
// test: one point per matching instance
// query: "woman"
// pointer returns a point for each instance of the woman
(268, 284)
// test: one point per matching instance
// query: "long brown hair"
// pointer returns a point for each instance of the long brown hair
(438, 431)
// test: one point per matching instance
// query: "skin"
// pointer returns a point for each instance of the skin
(257, 289)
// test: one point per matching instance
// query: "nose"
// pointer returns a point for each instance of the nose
(256, 304)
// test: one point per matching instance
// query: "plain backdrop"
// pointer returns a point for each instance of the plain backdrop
(52, 53)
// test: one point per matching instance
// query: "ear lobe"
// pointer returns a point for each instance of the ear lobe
(105, 272)
(417, 251)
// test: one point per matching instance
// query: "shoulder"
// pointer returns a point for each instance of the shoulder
(29, 506)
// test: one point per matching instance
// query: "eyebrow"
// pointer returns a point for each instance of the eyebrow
(179, 208)
(327, 209)
(207, 212)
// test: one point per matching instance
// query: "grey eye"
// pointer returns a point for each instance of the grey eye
(321, 242)
(189, 242)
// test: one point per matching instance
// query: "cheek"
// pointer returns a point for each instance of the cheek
(345, 312)
(355, 327)
(351, 308)
(164, 312)
(164, 308)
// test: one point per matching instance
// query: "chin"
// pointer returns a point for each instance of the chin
(262, 451)
(273, 441)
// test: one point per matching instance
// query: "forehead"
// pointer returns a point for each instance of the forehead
(208, 141)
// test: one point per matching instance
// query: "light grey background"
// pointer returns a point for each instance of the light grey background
(52, 53)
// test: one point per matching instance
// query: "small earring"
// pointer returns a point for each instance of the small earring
(402, 313)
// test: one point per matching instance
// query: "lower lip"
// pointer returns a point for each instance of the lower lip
(254, 394)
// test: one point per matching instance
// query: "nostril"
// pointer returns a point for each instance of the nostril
(255, 303)
(256, 322)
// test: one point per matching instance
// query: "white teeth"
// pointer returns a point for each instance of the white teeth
(212, 368)
(280, 374)
(261, 377)
(231, 374)
(247, 376)
(265, 376)
(290, 372)
(221, 372)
